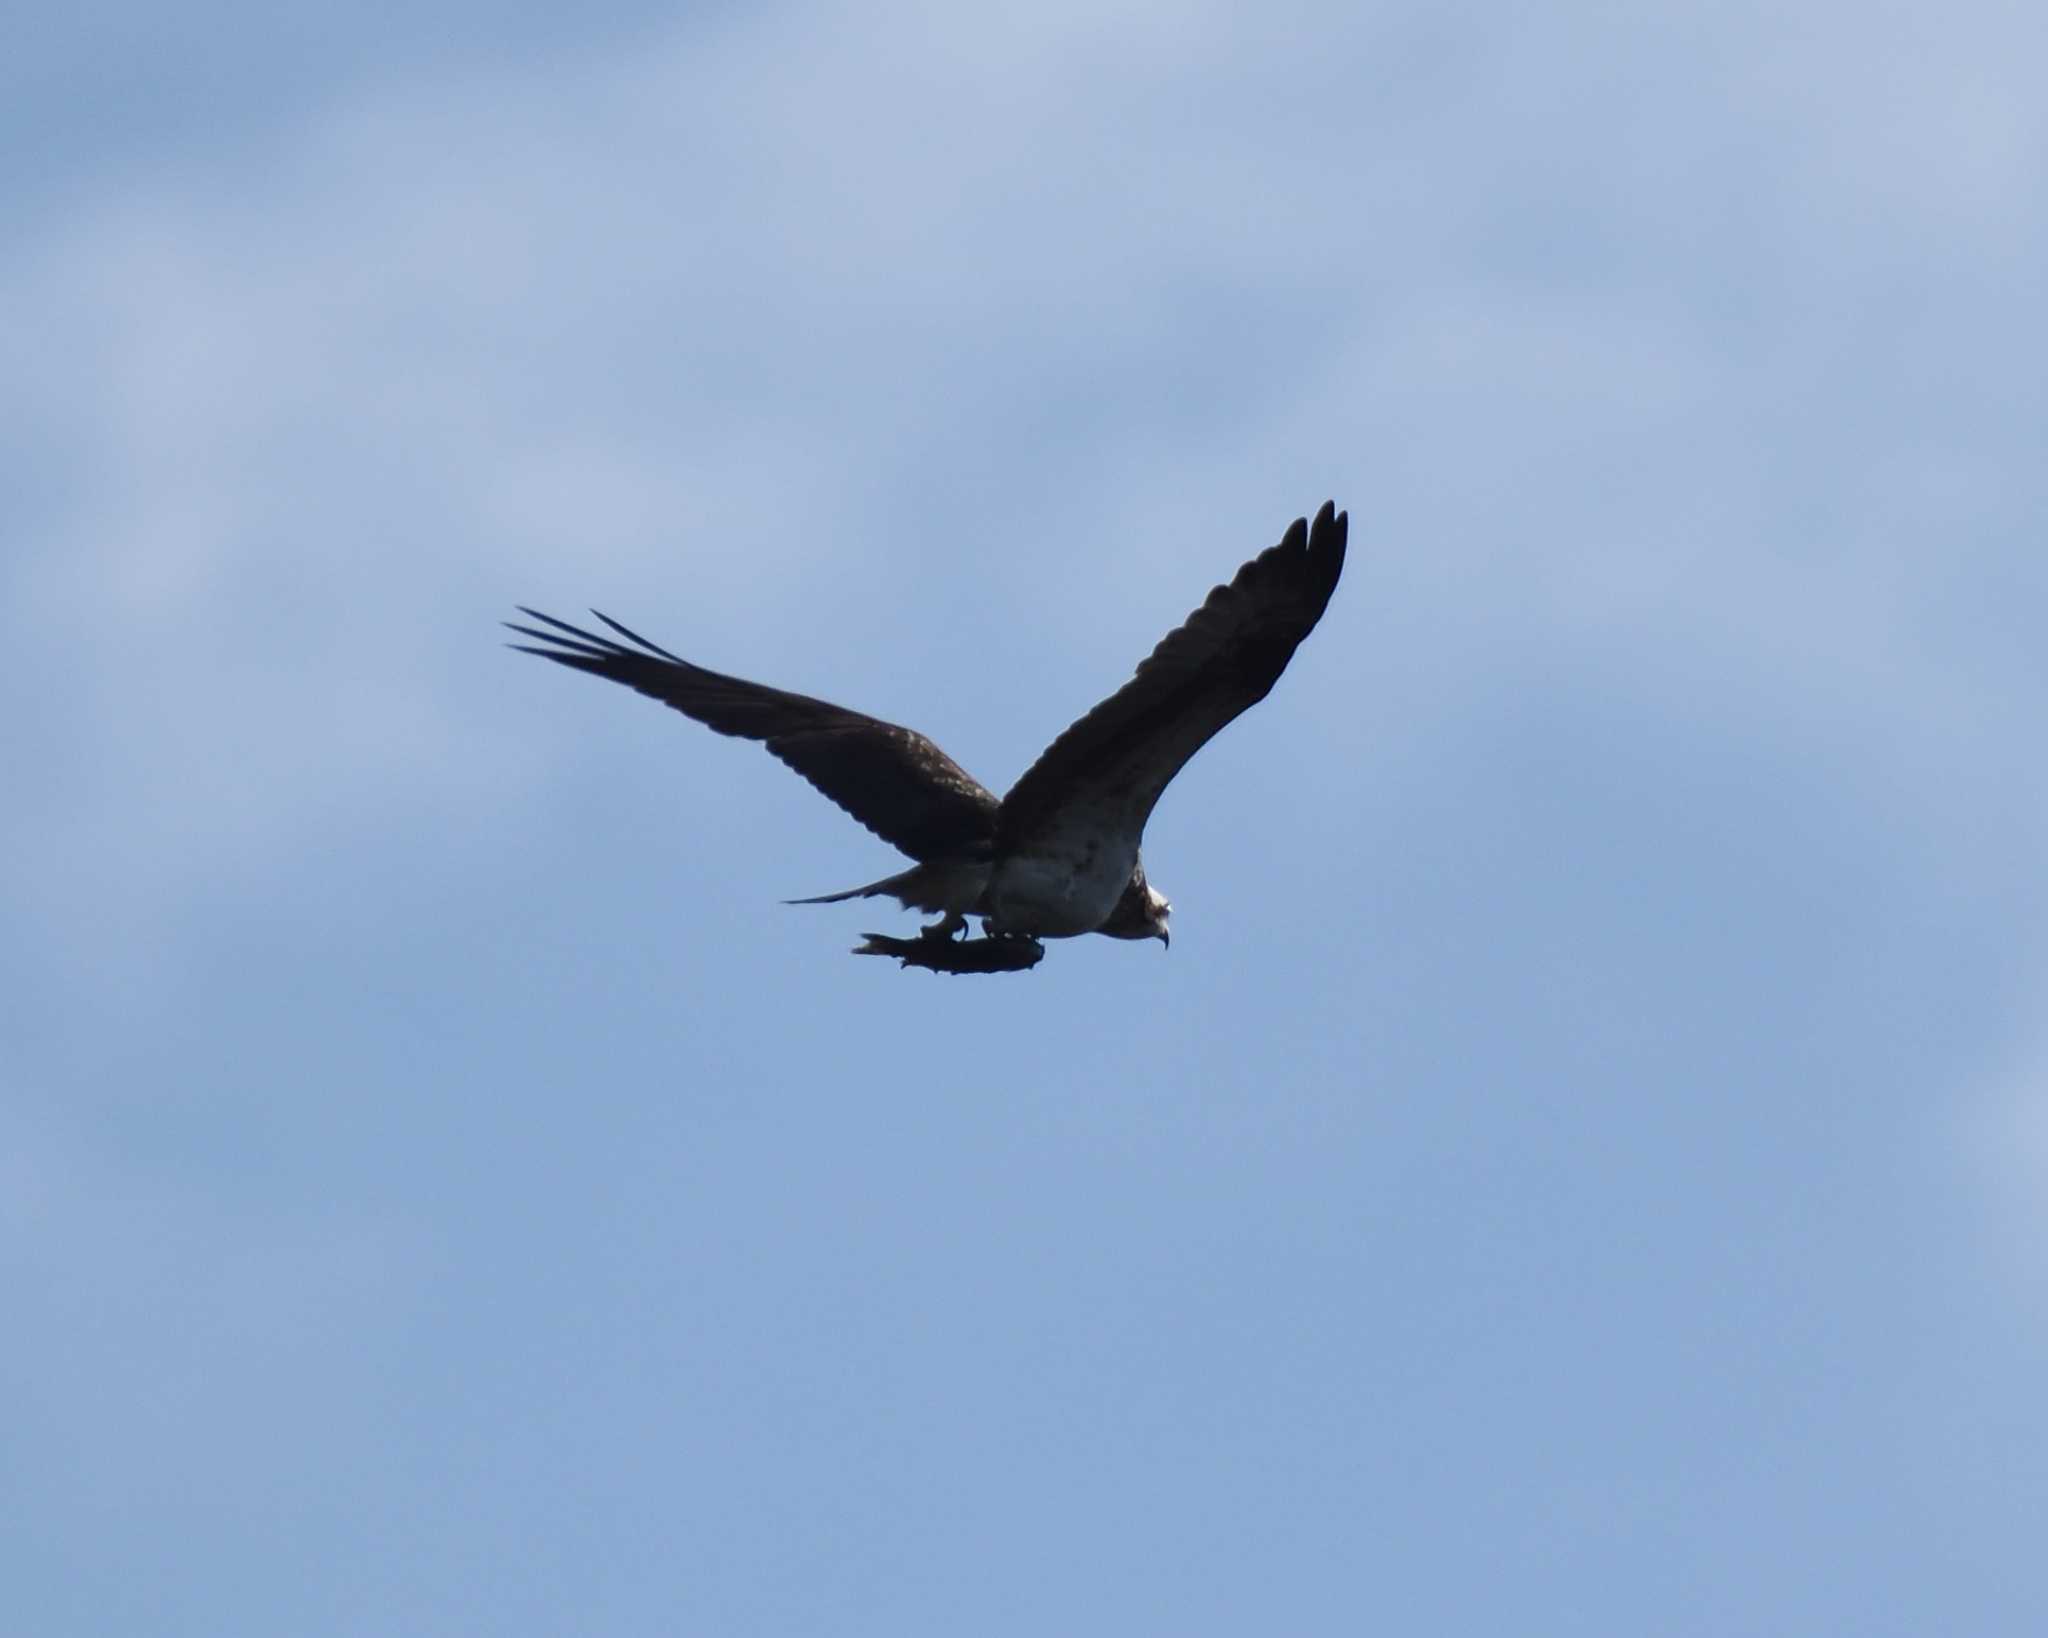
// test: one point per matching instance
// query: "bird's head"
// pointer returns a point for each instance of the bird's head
(1140, 913)
(1157, 907)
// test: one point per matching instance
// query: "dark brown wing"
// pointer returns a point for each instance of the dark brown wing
(1222, 660)
(893, 780)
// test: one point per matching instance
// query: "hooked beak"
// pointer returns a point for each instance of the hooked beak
(1165, 939)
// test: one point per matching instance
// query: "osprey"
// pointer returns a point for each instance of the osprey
(1058, 856)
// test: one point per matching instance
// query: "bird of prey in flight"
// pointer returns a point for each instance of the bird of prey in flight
(1058, 856)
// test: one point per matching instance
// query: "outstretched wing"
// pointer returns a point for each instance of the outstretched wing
(1223, 659)
(893, 780)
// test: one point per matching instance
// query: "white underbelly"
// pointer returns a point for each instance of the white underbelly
(1060, 891)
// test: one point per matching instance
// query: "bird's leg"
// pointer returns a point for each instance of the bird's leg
(953, 922)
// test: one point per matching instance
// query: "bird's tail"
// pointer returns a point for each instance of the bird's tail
(931, 886)
(867, 892)
(873, 890)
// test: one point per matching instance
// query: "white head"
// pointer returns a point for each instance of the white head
(1158, 909)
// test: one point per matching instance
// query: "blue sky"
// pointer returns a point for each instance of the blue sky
(1583, 1165)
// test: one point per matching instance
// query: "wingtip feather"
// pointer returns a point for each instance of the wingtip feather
(628, 632)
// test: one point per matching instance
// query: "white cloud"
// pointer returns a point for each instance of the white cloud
(936, 360)
(740, 321)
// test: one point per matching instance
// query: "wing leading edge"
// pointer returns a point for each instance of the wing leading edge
(892, 779)
(1217, 664)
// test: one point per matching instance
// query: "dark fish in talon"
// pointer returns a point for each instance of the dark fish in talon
(1005, 953)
